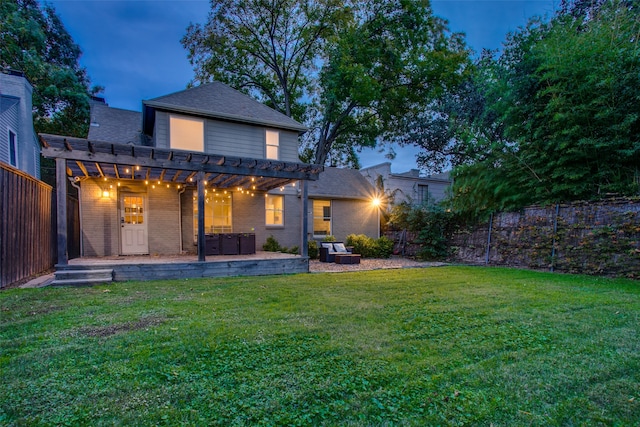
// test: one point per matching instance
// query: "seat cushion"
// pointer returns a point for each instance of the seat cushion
(339, 247)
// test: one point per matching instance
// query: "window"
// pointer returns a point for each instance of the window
(217, 213)
(321, 218)
(13, 149)
(273, 145)
(186, 133)
(274, 209)
(423, 194)
(133, 210)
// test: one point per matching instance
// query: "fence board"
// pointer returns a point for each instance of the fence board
(28, 244)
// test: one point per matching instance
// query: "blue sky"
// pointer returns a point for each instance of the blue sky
(132, 47)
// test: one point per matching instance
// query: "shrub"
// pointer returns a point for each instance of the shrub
(433, 226)
(294, 250)
(329, 239)
(385, 247)
(312, 248)
(271, 245)
(369, 247)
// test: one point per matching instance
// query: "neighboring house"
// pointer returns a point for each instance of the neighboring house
(411, 186)
(19, 146)
(342, 203)
(209, 154)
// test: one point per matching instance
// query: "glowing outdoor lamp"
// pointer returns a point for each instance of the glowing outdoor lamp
(376, 202)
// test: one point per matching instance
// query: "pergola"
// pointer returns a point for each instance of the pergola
(78, 158)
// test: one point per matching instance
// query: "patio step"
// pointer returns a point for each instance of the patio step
(82, 277)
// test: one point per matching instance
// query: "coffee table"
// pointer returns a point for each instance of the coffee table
(347, 258)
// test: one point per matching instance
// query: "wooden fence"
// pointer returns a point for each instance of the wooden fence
(27, 238)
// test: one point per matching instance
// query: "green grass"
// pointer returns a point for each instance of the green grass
(441, 346)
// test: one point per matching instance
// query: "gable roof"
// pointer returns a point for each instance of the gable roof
(337, 183)
(114, 124)
(217, 100)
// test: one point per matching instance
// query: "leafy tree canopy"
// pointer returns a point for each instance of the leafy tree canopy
(553, 118)
(349, 70)
(34, 41)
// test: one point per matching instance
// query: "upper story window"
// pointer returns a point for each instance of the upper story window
(186, 133)
(13, 148)
(273, 145)
(423, 194)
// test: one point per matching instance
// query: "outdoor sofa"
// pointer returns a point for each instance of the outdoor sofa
(328, 251)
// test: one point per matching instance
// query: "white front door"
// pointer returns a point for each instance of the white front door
(133, 223)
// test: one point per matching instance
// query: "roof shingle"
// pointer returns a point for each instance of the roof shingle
(221, 101)
(338, 183)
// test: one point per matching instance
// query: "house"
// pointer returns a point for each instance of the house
(343, 202)
(206, 161)
(411, 186)
(19, 146)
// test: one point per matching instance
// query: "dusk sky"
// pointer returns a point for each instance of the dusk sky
(132, 47)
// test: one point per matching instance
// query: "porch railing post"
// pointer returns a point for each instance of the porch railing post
(201, 242)
(61, 201)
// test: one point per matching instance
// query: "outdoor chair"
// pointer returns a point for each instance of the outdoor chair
(328, 251)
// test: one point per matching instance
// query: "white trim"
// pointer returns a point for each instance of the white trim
(272, 144)
(313, 218)
(10, 131)
(274, 210)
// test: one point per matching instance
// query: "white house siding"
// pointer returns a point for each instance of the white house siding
(232, 139)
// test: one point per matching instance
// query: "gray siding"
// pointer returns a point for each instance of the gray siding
(20, 119)
(232, 139)
(161, 131)
(8, 120)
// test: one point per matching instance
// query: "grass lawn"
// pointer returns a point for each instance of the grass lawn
(439, 346)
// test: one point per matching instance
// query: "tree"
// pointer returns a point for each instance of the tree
(559, 113)
(268, 49)
(350, 71)
(34, 41)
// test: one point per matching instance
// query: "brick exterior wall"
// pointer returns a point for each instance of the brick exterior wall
(170, 218)
(163, 220)
(100, 226)
(353, 217)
